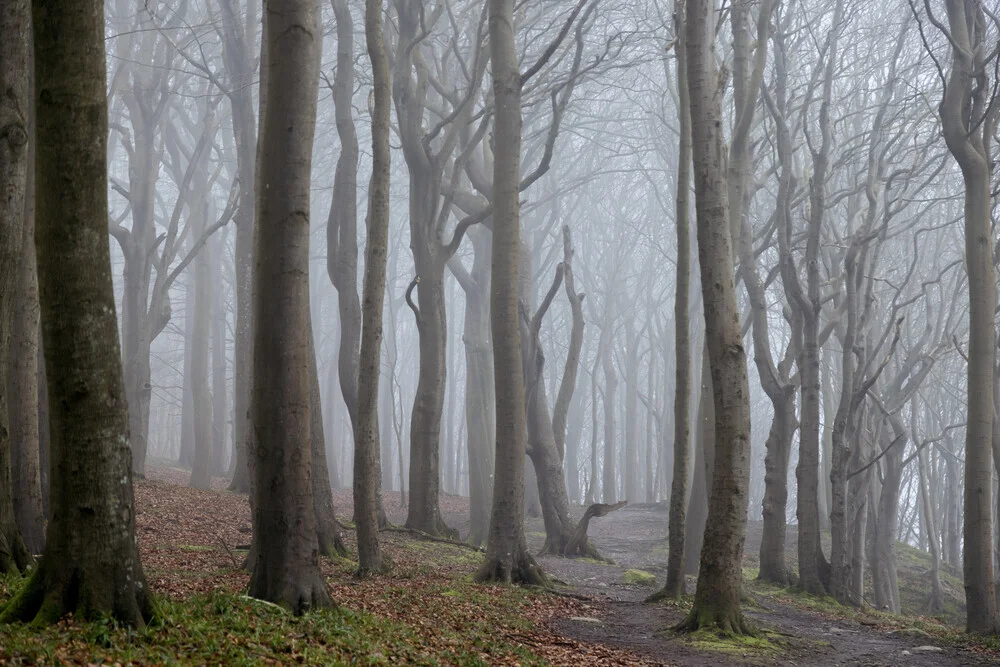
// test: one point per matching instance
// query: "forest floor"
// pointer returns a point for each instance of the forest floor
(427, 611)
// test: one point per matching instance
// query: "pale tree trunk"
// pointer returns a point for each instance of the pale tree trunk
(630, 450)
(15, 111)
(201, 472)
(609, 477)
(936, 602)
(697, 516)
(91, 562)
(507, 557)
(366, 434)
(286, 564)
(717, 598)
(342, 227)
(237, 51)
(674, 586)
(328, 535)
(220, 413)
(969, 121)
(185, 456)
(479, 387)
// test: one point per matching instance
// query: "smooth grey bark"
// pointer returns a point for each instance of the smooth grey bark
(238, 56)
(969, 120)
(479, 383)
(507, 557)
(367, 476)
(91, 566)
(220, 412)
(717, 597)
(286, 563)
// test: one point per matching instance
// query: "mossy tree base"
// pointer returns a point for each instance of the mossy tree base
(296, 593)
(728, 623)
(88, 593)
(519, 569)
(14, 556)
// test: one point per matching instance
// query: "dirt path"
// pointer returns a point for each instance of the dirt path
(617, 616)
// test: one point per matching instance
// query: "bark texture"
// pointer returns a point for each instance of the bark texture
(15, 109)
(367, 482)
(717, 598)
(286, 563)
(91, 563)
(507, 557)
(969, 119)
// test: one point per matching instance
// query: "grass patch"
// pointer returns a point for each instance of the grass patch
(639, 578)
(464, 624)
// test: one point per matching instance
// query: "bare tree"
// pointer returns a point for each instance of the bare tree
(969, 116)
(717, 598)
(366, 429)
(507, 557)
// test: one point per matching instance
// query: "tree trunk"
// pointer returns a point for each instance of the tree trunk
(609, 478)
(239, 58)
(91, 563)
(366, 431)
(507, 557)
(968, 129)
(630, 450)
(185, 457)
(676, 526)
(479, 384)
(717, 598)
(15, 112)
(220, 412)
(22, 406)
(328, 536)
(201, 468)
(286, 565)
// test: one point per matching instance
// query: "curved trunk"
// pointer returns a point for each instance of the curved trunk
(367, 488)
(717, 598)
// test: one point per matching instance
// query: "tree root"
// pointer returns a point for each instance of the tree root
(520, 569)
(726, 624)
(53, 593)
(432, 538)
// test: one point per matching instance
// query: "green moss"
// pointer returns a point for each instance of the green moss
(225, 628)
(639, 578)
(757, 648)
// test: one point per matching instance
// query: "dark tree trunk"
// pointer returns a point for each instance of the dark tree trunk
(15, 112)
(286, 563)
(23, 370)
(91, 563)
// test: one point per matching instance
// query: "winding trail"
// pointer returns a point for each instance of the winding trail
(633, 538)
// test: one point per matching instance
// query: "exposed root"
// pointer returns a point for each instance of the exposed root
(432, 538)
(297, 594)
(726, 624)
(53, 593)
(521, 569)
